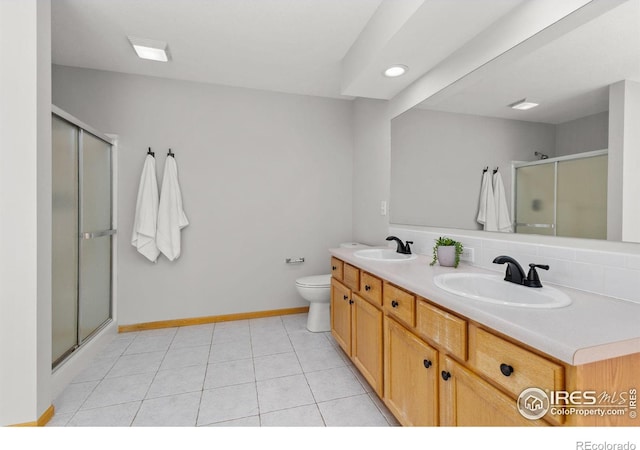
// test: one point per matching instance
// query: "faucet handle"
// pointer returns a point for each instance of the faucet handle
(407, 248)
(533, 280)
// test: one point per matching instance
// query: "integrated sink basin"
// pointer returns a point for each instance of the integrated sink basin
(383, 254)
(494, 289)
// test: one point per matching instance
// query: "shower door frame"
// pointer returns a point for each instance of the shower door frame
(554, 161)
(111, 140)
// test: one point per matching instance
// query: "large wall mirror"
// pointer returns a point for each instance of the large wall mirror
(556, 162)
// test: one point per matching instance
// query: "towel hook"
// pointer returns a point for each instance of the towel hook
(170, 153)
(485, 169)
(149, 152)
(495, 170)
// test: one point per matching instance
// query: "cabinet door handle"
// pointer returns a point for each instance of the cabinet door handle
(351, 302)
(345, 297)
(394, 304)
(367, 287)
(445, 375)
(427, 363)
(506, 369)
(334, 268)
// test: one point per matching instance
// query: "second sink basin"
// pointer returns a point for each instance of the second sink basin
(494, 289)
(383, 254)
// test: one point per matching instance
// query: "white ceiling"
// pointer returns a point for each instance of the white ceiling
(294, 46)
(569, 77)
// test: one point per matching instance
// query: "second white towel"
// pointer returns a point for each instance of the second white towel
(171, 216)
(503, 219)
(487, 208)
(143, 237)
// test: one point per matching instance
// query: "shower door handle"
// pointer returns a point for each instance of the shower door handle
(97, 234)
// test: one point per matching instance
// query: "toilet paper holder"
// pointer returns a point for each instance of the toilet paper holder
(294, 260)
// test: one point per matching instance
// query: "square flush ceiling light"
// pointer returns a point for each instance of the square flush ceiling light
(150, 49)
(524, 104)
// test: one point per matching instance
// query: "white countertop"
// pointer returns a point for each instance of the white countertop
(592, 328)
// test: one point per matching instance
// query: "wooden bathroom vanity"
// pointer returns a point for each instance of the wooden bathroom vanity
(437, 359)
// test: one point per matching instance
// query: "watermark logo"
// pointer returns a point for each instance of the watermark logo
(533, 403)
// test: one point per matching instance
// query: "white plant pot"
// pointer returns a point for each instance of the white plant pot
(447, 255)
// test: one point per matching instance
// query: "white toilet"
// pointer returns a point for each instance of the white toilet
(316, 289)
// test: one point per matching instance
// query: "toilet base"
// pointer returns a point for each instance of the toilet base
(319, 318)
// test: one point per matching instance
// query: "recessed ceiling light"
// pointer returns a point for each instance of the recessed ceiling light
(150, 49)
(395, 71)
(523, 104)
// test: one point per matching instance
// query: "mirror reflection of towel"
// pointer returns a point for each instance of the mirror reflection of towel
(487, 208)
(143, 237)
(171, 216)
(503, 219)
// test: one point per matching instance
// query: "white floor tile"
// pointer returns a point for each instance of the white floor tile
(96, 370)
(59, 420)
(283, 393)
(149, 343)
(271, 345)
(321, 358)
(194, 336)
(185, 357)
(175, 410)
(135, 364)
(112, 391)
(229, 373)
(73, 397)
(333, 383)
(302, 416)
(177, 381)
(111, 416)
(356, 411)
(228, 403)
(274, 366)
(252, 421)
(230, 351)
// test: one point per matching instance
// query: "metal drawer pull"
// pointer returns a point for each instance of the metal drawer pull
(506, 369)
(97, 234)
(445, 375)
(394, 304)
(367, 287)
(345, 297)
(427, 363)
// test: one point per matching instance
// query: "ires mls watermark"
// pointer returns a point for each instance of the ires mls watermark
(534, 403)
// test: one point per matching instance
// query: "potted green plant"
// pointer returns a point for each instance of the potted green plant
(447, 252)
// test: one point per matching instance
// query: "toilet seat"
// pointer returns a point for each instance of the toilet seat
(315, 281)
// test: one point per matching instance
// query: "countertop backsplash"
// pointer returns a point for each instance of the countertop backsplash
(610, 273)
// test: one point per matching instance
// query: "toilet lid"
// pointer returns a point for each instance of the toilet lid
(319, 281)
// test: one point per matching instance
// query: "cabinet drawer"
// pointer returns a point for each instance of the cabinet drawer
(351, 276)
(511, 366)
(444, 329)
(336, 268)
(371, 288)
(399, 303)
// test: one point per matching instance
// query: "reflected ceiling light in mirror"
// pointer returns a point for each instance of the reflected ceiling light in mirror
(523, 104)
(396, 70)
(150, 49)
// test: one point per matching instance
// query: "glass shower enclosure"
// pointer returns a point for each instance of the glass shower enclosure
(565, 196)
(82, 234)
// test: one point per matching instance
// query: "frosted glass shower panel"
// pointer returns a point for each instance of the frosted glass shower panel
(582, 198)
(535, 199)
(96, 234)
(64, 224)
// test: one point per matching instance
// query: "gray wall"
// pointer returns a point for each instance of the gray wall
(437, 161)
(264, 176)
(583, 135)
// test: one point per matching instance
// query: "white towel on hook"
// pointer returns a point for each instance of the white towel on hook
(487, 208)
(171, 216)
(146, 215)
(503, 219)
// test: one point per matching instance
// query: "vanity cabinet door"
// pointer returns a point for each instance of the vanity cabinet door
(341, 315)
(367, 342)
(410, 376)
(468, 400)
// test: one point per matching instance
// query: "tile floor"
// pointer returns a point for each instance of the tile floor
(258, 372)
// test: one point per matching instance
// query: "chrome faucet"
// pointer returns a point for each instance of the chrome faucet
(515, 274)
(402, 248)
